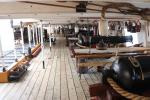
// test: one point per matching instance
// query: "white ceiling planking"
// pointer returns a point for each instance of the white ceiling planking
(58, 15)
(52, 15)
(26, 8)
(20, 7)
(17, 7)
(64, 16)
(131, 1)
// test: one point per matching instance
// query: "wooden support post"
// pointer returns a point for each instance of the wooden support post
(42, 45)
(36, 32)
(15, 53)
(22, 38)
(103, 27)
(29, 35)
(50, 42)
(33, 30)
(39, 34)
(99, 28)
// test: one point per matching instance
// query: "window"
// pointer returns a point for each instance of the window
(135, 38)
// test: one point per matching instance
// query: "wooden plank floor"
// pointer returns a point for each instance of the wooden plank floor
(58, 81)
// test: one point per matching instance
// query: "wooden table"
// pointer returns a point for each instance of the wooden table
(71, 41)
(110, 50)
(93, 53)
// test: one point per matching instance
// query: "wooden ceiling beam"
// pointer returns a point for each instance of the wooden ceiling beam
(46, 4)
(56, 5)
(73, 7)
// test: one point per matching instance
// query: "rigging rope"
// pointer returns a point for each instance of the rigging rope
(125, 93)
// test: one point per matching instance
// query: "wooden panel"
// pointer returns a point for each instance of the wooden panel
(4, 77)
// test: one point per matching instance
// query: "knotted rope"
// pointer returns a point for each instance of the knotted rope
(125, 93)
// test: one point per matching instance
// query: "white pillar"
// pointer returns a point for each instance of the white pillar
(50, 42)
(37, 40)
(33, 30)
(29, 35)
(42, 44)
(15, 53)
(99, 27)
(39, 33)
(21, 29)
(103, 27)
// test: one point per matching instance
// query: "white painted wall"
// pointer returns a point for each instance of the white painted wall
(147, 30)
(139, 37)
(6, 35)
(142, 34)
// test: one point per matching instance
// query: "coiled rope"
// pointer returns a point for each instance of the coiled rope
(125, 93)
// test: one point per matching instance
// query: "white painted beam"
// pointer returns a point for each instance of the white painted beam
(36, 33)
(78, 0)
(22, 38)
(42, 44)
(15, 52)
(50, 42)
(29, 35)
(33, 34)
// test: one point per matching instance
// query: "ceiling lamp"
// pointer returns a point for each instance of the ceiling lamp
(81, 7)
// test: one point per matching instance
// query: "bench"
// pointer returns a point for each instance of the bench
(17, 73)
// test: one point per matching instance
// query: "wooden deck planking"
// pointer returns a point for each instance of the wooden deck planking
(41, 94)
(36, 91)
(56, 93)
(36, 68)
(19, 87)
(71, 87)
(78, 86)
(26, 83)
(50, 85)
(85, 81)
(58, 81)
(94, 77)
(64, 91)
(30, 87)
(14, 89)
(3, 86)
(64, 84)
(6, 90)
(63, 75)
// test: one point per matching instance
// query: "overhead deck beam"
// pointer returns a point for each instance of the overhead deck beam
(140, 1)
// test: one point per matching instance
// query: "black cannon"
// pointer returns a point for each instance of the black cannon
(131, 73)
(92, 40)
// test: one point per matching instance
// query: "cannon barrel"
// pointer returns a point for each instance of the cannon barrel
(84, 40)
